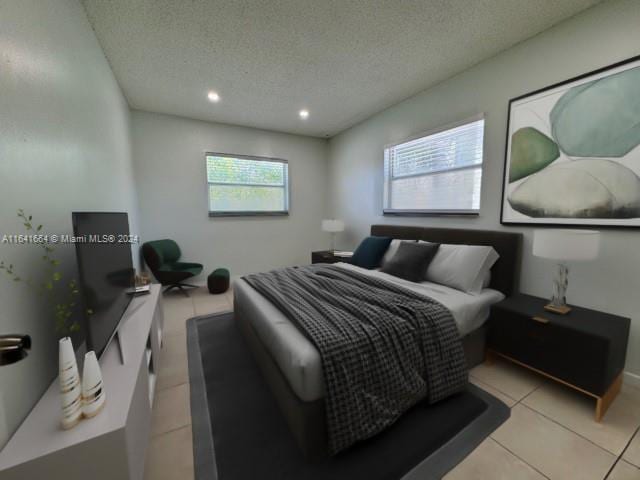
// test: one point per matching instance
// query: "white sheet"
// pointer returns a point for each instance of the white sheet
(469, 311)
(297, 357)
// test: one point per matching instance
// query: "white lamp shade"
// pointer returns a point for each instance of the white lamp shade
(566, 245)
(332, 226)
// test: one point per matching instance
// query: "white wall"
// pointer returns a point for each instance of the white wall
(169, 159)
(600, 36)
(64, 146)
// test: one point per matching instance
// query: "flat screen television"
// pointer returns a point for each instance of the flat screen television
(106, 273)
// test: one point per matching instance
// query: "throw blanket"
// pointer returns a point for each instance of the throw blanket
(383, 348)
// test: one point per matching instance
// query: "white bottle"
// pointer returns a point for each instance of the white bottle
(69, 384)
(93, 396)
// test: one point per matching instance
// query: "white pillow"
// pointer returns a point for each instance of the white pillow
(392, 249)
(463, 267)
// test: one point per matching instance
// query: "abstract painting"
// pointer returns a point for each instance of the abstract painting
(573, 152)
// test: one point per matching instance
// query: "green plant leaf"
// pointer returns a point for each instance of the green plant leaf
(62, 312)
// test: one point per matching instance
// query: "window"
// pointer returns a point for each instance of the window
(240, 185)
(440, 173)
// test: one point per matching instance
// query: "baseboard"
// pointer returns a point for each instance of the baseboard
(631, 379)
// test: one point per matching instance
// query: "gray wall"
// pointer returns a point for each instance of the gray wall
(602, 35)
(64, 146)
(170, 174)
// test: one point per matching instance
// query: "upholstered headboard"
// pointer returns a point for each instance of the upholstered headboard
(505, 272)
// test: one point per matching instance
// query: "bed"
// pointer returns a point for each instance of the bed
(291, 364)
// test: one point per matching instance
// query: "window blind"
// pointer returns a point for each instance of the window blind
(437, 173)
(240, 185)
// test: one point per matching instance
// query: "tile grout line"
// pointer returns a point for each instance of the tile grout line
(514, 405)
(520, 402)
(519, 458)
(496, 389)
(615, 455)
(156, 435)
(533, 409)
(608, 474)
(542, 383)
(528, 394)
(619, 459)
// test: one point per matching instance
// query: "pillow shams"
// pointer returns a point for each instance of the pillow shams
(393, 248)
(463, 267)
(411, 260)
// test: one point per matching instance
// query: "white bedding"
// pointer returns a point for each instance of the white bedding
(297, 357)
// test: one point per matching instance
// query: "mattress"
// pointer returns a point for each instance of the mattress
(297, 357)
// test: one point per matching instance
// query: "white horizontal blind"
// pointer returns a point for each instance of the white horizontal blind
(240, 185)
(437, 173)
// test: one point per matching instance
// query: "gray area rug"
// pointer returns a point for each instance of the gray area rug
(240, 434)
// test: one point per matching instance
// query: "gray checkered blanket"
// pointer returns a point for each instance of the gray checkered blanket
(383, 347)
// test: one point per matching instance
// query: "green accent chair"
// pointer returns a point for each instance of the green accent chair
(162, 257)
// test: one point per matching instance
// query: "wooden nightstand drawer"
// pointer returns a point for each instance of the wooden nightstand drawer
(570, 355)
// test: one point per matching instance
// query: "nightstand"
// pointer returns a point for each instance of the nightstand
(584, 349)
(327, 256)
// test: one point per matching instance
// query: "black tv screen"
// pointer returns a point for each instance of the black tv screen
(106, 272)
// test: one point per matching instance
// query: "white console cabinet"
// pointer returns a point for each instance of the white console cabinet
(112, 445)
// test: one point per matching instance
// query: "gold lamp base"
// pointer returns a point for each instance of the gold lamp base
(559, 309)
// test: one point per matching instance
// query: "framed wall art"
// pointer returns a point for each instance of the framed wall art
(573, 152)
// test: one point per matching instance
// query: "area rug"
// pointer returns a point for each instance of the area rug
(240, 434)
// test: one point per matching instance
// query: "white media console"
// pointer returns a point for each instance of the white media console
(112, 445)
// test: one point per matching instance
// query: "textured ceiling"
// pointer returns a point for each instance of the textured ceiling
(343, 60)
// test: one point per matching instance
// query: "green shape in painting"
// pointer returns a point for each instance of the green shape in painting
(599, 118)
(531, 151)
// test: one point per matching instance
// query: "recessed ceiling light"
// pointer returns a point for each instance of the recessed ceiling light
(213, 96)
(304, 113)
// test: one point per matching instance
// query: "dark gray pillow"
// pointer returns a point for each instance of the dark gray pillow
(411, 260)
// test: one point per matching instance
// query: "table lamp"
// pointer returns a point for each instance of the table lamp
(333, 227)
(564, 246)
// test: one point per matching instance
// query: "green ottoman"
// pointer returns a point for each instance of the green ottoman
(218, 281)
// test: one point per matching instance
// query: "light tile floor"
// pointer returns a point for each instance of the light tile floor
(551, 433)
(552, 430)
(170, 454)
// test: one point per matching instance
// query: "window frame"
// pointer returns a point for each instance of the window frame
(249, 213)
(387, 179)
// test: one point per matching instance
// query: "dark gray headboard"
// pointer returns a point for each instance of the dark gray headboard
(505, 272)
